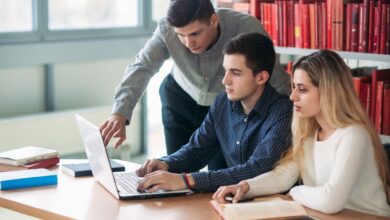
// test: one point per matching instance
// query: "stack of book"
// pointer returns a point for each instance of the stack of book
(30, 157)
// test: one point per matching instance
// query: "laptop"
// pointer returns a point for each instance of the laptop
(122, 185)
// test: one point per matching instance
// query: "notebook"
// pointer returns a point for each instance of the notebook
(122, 185)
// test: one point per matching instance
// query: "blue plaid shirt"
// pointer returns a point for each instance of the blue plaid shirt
(251, 144)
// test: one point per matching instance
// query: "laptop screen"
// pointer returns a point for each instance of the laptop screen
(97, 154)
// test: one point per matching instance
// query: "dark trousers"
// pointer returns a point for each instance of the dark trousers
(181, 116)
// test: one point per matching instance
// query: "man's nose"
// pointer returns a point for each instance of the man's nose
(189, 43)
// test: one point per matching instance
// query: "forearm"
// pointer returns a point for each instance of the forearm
(211, 180)
(276, 181)
(130, 90)
(184, 160)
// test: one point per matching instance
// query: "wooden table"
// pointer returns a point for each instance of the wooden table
(84, 198)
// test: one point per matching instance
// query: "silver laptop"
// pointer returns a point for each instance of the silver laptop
(122, 185)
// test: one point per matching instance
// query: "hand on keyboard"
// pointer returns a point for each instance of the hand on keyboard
(161, 180)
(150, 166)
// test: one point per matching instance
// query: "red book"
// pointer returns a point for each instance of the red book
(378, 106)
(323, 25)
(320, 18)
(366, 84)
(290, 24)
(362, 84)
(277, 23)
(46, 163)
(305, 25)
(329, 24)
(284, 23)
(363, 27)
(386, 109)
(254, 8)
(361, 92)
(262, 16)
(383, 33)
(377, 27)
(267, 20)
(337, 25)
(371, 25)
(388, 30)
(297, 26)
(348, 27)
(377, 75)
(312, 28)
(355, 27)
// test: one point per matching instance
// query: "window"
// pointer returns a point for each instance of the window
(159, 9)
(91, 14)
(16, 16)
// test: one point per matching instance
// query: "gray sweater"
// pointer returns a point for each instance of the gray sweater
(200, 75)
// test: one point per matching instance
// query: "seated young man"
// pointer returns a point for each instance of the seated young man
(249, 124)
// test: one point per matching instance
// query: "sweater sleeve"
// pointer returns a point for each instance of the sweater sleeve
(332, 196)
(137, 75)
(276, 181)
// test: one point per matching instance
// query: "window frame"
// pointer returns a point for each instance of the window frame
(41, 33)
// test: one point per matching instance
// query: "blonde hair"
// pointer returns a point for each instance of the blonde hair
(339, 105)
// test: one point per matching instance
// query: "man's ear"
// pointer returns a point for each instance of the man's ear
(214, 20)
(262, 77)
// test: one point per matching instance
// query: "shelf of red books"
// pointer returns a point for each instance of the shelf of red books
(344, 54)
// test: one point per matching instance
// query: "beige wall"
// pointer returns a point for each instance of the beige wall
(86, 88)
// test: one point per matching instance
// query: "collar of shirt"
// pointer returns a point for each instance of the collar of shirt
(261, 106)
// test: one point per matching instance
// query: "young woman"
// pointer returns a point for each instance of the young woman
(336, 151)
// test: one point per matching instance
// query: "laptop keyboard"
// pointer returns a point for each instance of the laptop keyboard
(127, 182)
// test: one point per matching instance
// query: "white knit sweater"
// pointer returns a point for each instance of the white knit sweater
(337, 173)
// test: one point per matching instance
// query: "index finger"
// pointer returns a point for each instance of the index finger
(103, 126)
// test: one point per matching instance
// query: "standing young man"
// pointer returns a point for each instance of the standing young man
(193, 35)
(249, 124)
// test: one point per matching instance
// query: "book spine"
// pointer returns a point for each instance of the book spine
(354, 27)
(382, 45)
(297, 26)
(348, 27)
(377, 27)
(371, 26)
(254, 8)
(305, 25)
(388, 30)
(29, 182)
(365, 25)
(312, 26)
(378, 107)
(386, 109)
(329, 24)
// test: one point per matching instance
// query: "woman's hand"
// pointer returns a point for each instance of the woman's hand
(237, 191)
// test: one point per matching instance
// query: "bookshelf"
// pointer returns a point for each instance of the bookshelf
(344, 54)
(357, 29)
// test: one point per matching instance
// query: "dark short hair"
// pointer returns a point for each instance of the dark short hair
(258, 50)
(183, 12)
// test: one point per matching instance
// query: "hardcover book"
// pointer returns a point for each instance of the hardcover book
(27, 178)
(26, 155)
(46, 163)
(83, 169)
